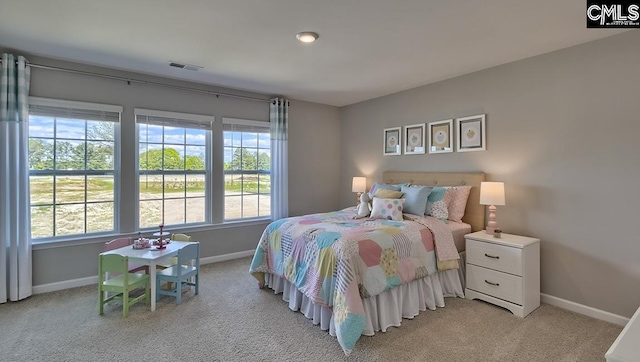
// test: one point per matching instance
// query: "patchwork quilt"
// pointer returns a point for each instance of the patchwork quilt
(336, 260)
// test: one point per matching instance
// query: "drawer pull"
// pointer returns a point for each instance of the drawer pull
(491, 256)
(494, 284)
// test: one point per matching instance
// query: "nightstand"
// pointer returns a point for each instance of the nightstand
(504, 271)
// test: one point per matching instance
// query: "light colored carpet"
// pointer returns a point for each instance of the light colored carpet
(232, 320)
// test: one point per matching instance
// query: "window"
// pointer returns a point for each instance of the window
(247, 178)
(73, 149)
(173, 168)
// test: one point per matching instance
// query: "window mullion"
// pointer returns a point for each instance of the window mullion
(54, 201)
(86, 181)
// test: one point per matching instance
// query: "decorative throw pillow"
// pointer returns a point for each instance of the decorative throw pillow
(388, 194)
(456, 199)
(390, 209)
(436, 204)
(378, 185)
(415, 199)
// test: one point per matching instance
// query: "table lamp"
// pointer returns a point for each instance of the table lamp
(492, 194)
(359, 185)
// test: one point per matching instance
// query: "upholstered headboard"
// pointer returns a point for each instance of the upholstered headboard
(474, 213)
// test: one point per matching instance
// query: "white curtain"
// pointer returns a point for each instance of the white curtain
(15, 225)
(279, 114)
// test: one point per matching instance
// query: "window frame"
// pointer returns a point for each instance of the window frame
(91, 107)
(182, 120)
(266, 125)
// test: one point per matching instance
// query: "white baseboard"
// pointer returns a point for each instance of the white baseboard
(81, 282)
(225, 257)
(73, 283)
(583, 309)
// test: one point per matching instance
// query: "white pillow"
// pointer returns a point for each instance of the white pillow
(390, 209)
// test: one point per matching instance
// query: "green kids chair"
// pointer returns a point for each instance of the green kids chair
(122, 284)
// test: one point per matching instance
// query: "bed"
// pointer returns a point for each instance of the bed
(355, 277)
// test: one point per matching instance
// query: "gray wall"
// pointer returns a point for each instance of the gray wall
(564, 136)
(313, 136)
(314, 166)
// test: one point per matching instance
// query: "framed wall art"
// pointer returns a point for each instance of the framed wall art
(441, 136)
(414, 139)
(392, 141)
(471, 133)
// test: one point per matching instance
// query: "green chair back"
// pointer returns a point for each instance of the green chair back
(180, 237)
(114, 263)
(121, 285)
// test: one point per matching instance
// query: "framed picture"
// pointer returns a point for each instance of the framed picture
(441, 136)
(414, 139)
(392, 141)
(471, 134)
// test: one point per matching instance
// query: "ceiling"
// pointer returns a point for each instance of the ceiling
(366, 49)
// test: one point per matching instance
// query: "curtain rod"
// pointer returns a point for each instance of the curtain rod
(137, 81)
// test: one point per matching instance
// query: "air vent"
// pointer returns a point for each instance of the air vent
(184, 66)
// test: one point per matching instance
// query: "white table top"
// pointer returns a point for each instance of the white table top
(150, 253)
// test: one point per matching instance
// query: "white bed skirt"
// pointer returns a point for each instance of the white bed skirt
(384, 310)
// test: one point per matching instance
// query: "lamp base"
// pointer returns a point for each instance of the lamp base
(492, 225)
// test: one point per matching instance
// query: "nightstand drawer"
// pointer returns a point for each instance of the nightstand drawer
(496, 284)
(493, 256)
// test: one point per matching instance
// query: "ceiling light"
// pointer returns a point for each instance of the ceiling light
(307, 36)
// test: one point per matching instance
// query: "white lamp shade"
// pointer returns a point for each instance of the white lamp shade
(492, 193)
(359, 184)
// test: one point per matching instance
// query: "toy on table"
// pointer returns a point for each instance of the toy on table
(161, 243)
